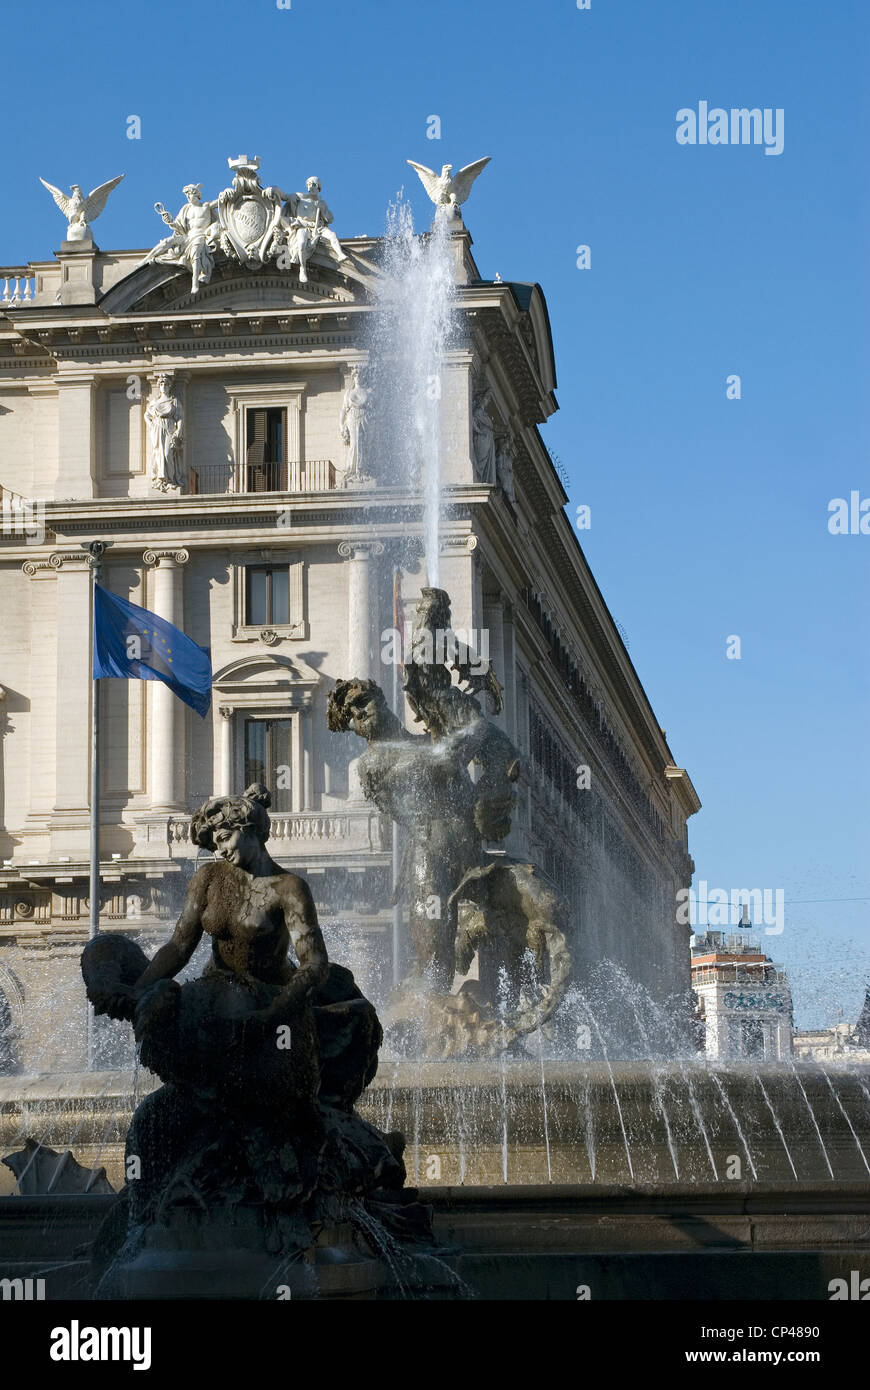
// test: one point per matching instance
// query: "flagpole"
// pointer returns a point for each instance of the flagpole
(396, 847)
(95, 550)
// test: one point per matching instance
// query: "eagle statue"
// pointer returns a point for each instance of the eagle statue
(81, 211)
(447, 190)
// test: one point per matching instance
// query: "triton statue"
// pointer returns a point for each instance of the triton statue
(461, 901)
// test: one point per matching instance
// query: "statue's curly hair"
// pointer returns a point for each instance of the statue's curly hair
(345, 695)
(230, 812)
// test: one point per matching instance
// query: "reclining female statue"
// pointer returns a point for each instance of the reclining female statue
(262, 1058)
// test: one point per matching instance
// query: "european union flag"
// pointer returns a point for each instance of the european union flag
(133, 644)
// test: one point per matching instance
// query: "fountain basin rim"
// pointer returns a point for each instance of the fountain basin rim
(745, 1195)
(20, 1088)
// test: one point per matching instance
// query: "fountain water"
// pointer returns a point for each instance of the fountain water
(846, 1117)
(413, 330)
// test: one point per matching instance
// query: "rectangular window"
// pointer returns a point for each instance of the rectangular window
(752, 1039)
(266, 449)
(267, 595)
(268, 758)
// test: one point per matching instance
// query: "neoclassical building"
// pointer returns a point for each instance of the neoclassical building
(205, 437)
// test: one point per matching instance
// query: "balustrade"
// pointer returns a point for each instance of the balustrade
(17, 287)
(359, 829)
(305, 475)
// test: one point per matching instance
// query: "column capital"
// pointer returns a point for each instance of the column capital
(458, 545)
(359, 550)
(226, 711)
(64, 559)
(174, 557)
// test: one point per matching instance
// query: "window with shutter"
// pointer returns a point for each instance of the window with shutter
(266, 452)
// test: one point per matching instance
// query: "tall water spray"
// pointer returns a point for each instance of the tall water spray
(412, 332)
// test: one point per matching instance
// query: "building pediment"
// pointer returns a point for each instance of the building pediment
(165, 290)
(265, 680)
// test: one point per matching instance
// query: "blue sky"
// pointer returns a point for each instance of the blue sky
(709, 516)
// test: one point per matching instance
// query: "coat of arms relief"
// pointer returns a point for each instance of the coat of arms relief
(249, 224)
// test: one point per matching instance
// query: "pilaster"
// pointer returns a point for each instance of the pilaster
(75, 416)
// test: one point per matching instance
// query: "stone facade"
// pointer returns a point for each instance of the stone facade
(264, 556)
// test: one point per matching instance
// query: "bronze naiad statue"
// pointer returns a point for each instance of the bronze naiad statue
(461, 900)
(262, 1060)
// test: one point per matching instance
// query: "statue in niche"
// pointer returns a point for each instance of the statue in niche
(461, 900)
(195, 234)
(164, 420)
(306, 219)
(483, 439)
(504, 468)
(352, 423)
(262, 1058)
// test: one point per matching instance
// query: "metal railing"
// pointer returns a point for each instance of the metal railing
(300, 475)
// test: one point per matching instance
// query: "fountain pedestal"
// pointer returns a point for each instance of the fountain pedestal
(197, 1254)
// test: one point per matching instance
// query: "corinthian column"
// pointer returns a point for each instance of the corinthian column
(168, 713)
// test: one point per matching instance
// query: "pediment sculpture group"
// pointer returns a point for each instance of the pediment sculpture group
(250, 224)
